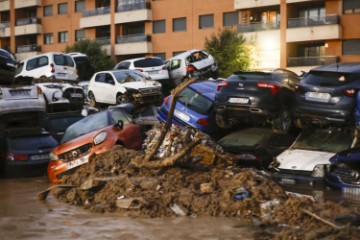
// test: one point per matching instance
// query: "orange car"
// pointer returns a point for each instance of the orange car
(94, 134)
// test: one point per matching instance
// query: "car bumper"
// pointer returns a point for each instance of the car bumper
(298, 180)
(28, 105)
(335, 182)
(26, 168)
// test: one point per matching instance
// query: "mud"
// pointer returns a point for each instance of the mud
(108, 184)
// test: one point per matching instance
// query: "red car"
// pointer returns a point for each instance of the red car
(94, 134)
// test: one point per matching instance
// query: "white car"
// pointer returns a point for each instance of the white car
(306, 161)
(191, 62)
(123, 86)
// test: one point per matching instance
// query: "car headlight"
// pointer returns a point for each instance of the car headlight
(53, 157)
(319, 170)
(100, 138)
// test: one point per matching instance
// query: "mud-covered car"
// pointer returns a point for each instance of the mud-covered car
(93, 135)
(123, 86)
(7, 67)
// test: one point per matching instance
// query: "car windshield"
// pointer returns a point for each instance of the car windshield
(258, 76)
(123, 77)
(86, 125)
(245, 138)
(330, 78)
(60, 124)
(30, 143)
(327, 140)
(148, 62)
(195, 101)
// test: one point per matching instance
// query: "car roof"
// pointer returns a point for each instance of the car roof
(353, 67)
(119, 70)
(207, 88)
(141, 58)
(44, 54)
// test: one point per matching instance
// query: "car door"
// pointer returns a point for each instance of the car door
(96, 87)
(175, 69)
(109, 89)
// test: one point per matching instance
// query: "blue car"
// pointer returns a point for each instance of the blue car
(344, 172)
(195, 107)
(357, 110)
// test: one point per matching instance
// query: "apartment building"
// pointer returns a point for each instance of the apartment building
(296, 34)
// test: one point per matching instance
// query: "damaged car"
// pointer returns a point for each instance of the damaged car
(123, 86)
(93, 135)
(7, 66)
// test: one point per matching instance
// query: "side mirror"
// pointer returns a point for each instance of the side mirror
(120, 124)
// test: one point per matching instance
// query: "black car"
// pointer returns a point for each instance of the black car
(256, 147)
(327, 95)
(264, 96)
(7, 67)
(25, 151)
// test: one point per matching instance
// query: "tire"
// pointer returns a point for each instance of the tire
(121, 98)
(283, 123)
(298, 123)
(222, 122)
(92, 101)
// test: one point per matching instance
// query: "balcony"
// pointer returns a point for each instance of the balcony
(103, 40)
(4, 29)
(133, 44)
(26, 26)
(95, 18)
(133, 12)
(311, 61)
(245, 4)
(297, 1)
(321, 28)
(26, 51)
(4, 5)
(27, 3)
(257, 26)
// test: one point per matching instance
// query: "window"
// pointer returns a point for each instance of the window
(159, 26)
(48, 38)
(160, 55)
(63, 37)
(351, 47)
(206, 21)
(79, 34)
(79, 6)
(230, 19)
(48, 11)
(37, 62)
(179, 24)
(351, 6)
(62, 8)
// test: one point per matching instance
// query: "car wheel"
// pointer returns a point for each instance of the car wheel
(283, 123)
(215, 74)
(222, 122)
(92, 101)
(121, 98)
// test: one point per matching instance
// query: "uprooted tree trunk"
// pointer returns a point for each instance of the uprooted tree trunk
(175, 95)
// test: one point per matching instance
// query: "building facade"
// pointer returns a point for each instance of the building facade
(295, 34)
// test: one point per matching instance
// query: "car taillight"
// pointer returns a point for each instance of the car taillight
(203, 121)
(164, 68)
(52, 68)
(166, 100)
(190, 69)
(298, 87)
(39, 90)
(222, 84)
(139, 69)
(17, 157)
(274, 88)
(349, 92)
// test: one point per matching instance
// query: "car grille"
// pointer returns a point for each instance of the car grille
(296, 172)
(74, 95)
(347, 175)
(150, 91)
(75, 153)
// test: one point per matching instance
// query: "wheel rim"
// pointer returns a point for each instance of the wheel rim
(121, 99)
(92, 101)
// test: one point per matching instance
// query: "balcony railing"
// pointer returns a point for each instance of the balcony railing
(95, 12)
(103, 40)
(133, 38)
(4, 25)
(258, 26)
(133, 6)
(27, 21)
(317, 21)
(311, 61)
(28, 48)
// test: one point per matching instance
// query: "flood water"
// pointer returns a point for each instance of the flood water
(22, 216)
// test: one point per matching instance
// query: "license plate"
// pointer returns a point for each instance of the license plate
(76, 95)
(354, 191)
(316, 96)
(181, 115)
(76, 163)
(288, 181)
(39, 157)
(238, 100)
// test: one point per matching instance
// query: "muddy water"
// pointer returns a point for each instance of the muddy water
(24, 217)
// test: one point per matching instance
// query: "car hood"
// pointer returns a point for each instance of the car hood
(302, 160)
(141, 84)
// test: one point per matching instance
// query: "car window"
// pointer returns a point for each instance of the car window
(60, 124)
(100, 77)
(118, 114)
(109, 79)
(43, 61)
(63, 60)
(20, 68)
(175, 64)
(330, 78)
(123, 77)
(86, 125)
(257, 76)
(123, 65)
(31, 142)
(32, 64)
(195, 101)
(148, 62)
(84, 67)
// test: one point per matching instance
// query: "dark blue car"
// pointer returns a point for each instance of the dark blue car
(195, 107)
(344, 172)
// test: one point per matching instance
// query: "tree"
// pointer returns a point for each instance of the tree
(98, 58)
(229, 50)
